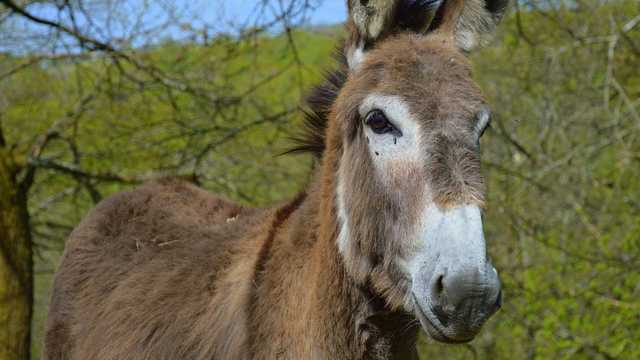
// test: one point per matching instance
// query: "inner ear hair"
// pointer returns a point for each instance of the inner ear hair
(371, 21)
(471, 22)
(376, 19)
(372, 18)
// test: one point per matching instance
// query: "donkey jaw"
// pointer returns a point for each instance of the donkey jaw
(462, 331)
(432, 326)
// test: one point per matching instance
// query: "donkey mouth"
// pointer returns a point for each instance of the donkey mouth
(433, 327)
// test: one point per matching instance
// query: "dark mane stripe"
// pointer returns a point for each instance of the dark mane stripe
(316, 113)
(281, 215)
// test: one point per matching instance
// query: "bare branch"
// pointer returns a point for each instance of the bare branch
(97, 45)
(43, 140)
(80, 174)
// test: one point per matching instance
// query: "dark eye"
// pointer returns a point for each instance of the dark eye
(378, 122)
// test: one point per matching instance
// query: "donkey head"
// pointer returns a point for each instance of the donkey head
(406, 127)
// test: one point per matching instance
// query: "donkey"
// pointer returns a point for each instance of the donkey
(387, 236)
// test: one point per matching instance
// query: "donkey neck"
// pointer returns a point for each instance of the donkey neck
(304, 303)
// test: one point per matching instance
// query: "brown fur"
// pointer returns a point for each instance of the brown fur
(169, 271)
(159, 273)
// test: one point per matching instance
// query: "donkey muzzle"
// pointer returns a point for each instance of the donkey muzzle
(463, 301)
(455, 288)
(459, 304)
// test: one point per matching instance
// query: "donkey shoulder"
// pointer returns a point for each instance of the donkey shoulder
(169, 238)
(155, 214)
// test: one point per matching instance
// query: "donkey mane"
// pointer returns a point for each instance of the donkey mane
(318, 107)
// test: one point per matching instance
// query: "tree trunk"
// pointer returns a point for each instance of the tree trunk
(16, 270)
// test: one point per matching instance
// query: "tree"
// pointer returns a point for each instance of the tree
(16, 271)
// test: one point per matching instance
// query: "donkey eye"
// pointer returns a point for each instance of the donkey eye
(378, 122)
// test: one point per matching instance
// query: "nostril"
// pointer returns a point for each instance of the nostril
(438, 300)
(438, 286)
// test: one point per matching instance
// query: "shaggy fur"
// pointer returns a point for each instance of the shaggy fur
(440, 90)
(169, 271)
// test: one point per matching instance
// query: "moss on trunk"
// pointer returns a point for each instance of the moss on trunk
(16, 264)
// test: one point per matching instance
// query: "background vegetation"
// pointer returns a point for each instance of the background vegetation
(98, 96)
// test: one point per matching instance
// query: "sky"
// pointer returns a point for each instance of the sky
(330, 12)
(238, 12)
(116, 19)
(327, 12)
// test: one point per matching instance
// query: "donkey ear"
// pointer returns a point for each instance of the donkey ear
(373, 20)
(376, 18)
(476, 23)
